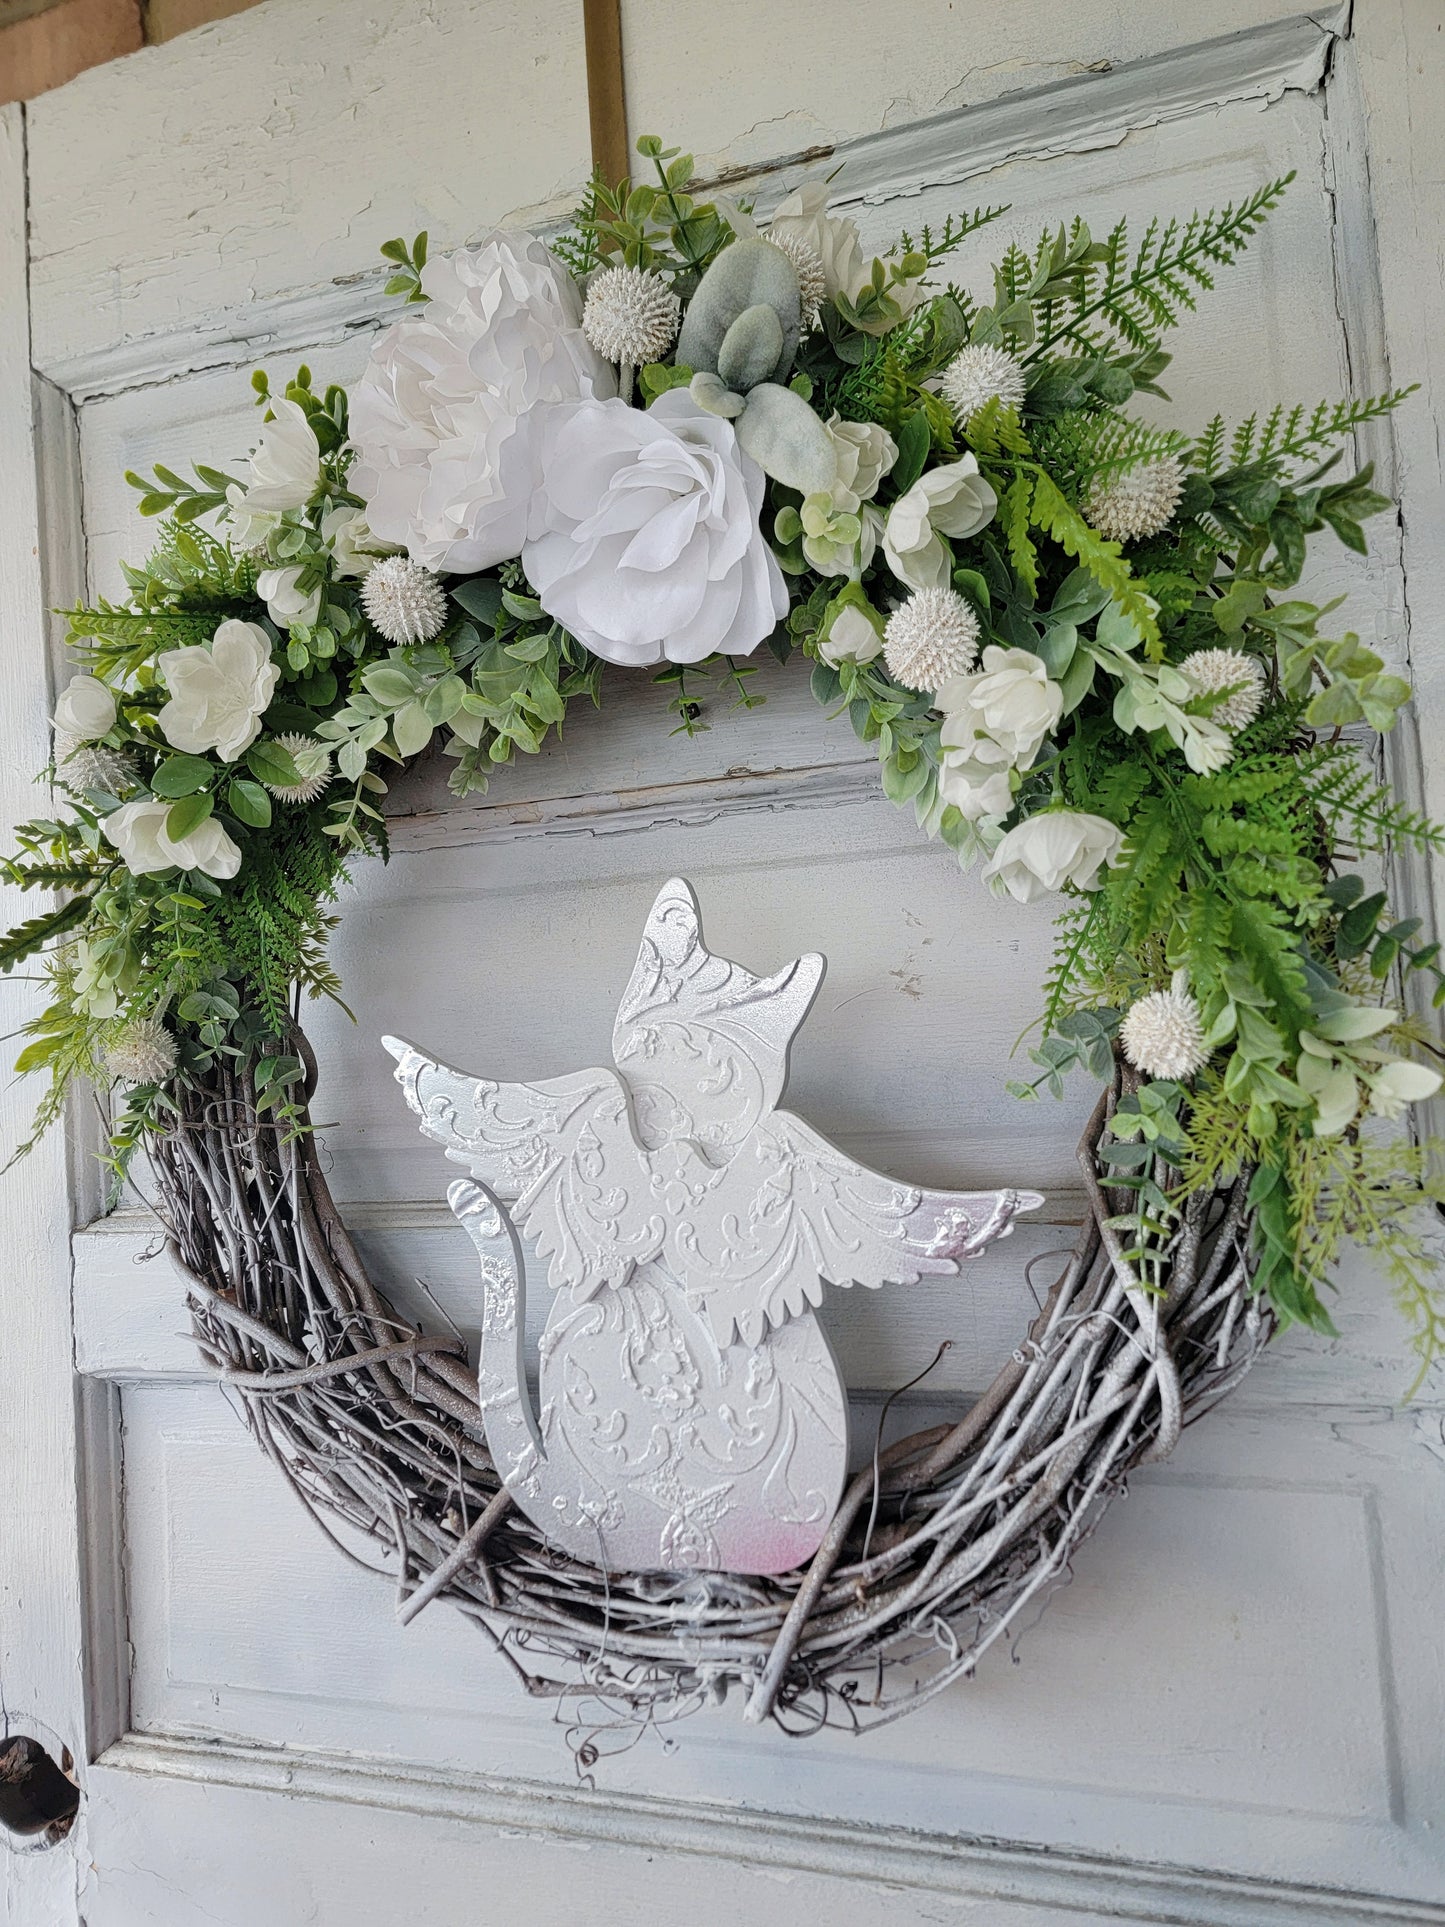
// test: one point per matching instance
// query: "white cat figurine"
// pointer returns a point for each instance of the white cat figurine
(692, 1413)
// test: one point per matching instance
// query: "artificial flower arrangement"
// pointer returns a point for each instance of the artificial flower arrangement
(679, 435)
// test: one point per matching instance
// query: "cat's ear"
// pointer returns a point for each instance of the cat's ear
(674, 923)
(787, 996)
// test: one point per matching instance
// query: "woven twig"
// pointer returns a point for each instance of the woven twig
(935, 1553)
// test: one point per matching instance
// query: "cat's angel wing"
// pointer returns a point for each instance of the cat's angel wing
(562, 1154)
(791, 1212)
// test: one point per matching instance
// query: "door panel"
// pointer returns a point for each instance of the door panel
(1244, 1672)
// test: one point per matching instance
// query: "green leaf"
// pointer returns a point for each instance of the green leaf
(249, 803)
(270, 763)
(183, 817)
(480, 597)
(914, 442)
(390, 684)
(182, 776)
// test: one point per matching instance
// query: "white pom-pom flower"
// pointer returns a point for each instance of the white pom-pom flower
(1137, 504)
(142, 1052)
(808, 266)
(630, 315)
(313, 769)
(91, 766)
(1163, 1033)
(979, 375)
(930, 639)
(403, 601)
(1208, 671)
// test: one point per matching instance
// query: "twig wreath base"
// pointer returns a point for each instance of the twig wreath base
(937, 1548)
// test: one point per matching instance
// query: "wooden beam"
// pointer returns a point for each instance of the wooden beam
(606, 95)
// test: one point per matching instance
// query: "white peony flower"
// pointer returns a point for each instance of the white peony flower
(833, 239)
(649, 546)
(218, 693)
(994, 722)
(353, 544)
(84, 710)
(446, 420)
(955, 501)
(287, 603)
(138, 831)
(286, 466)
(1055, 848)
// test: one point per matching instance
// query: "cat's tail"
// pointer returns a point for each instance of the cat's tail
(510, 1425)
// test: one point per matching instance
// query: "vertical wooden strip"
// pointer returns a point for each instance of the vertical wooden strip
(606, 92)
(41, 1645)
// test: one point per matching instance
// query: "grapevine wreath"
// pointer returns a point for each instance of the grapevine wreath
(675, 436)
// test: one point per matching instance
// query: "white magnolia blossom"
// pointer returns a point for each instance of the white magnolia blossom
(854, 633)
(649, 546)
(248, 527)
(1163, 1032)
(447, 419)
(287, 603)
(138, 831)
(1048, 851)
(353, 543)
(953, 500)
(993, 722)
(218, 692)
(84, 710)
(286, 465)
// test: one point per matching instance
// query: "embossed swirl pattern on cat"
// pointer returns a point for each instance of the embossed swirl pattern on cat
(692, 1415)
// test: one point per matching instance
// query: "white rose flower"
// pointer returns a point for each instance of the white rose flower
(84, 710)
(248, 525)
(853, 633)
(1049, 850)
(649, 546)
(955, 501)
(218, 693)
(1001, 713)
(353, 545)
(286, 465)
(446, 420)
(978, 790)
(865, 453)
(138, 831)
(833, 238)
(287, 603)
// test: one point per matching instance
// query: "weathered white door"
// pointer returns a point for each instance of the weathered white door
(1232, 1714)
